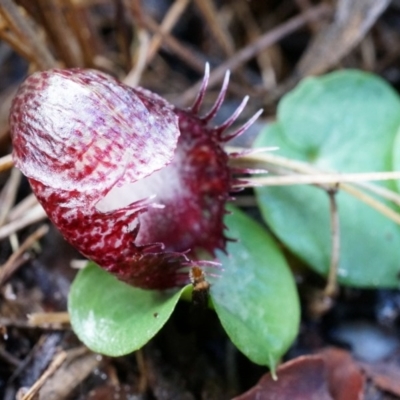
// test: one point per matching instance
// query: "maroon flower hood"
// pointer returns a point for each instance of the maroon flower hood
(134, 183)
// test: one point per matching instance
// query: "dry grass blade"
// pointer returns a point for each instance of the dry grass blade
(302, 173)
(331, 285)
(304, 5)
(8, 36)
(6, 162)
(57, 361)
(78, 365)
(220, 34)
(321, 179)
(381, 191)
(47, 320)
(35, 214)
(188, 55)
(134, 76)
(253, 49)
(8, 194)
(168, 23)
(11, 265)
(82, 26)
(265, 58)
(23, 29)
(60, 33)
(372, 202)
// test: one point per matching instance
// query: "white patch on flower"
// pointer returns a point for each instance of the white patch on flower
(160, 186)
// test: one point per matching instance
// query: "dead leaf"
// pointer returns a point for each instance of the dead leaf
(346, 381)
(385, 374)
(299, 379)
(330, 375)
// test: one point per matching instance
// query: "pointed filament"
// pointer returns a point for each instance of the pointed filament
(200, 96)
(224, 126)
(220, 99)
(243, 128)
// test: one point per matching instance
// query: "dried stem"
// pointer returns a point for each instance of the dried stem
(35, 214)
(8, 194)
(134, 76)
(266, 58)
(372, 202)
(320, 179)
(56, 363)
(49, 319)
(194, 59)
(22, 207)
(12, 264)
(253, 49)
(331, 286)
(143, 372)
(380, 191)
(85, 33)
(60, 33)
(6, 162)
(22, 28)
(210, 14)
(311, 175)
(14, 42)
(168, 23)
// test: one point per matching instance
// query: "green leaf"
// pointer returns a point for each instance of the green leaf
(255, 297)
(345, 121)
(113, 318)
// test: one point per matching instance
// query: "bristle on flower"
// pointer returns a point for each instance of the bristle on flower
(220, 129)
(220, 99)
(194, 109)
(243, 128)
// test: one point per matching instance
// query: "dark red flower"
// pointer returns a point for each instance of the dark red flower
(134, 183)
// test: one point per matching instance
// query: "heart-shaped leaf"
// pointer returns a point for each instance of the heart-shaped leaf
(113, 318)
(255, 297)
(345, 121)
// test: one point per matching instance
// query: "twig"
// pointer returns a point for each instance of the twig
(81, 24)
(265, 58)
(48, 319)
(60, 33)
(256, 47)
(372, 202)
(10, 358)
(321, 179)
(143, 381)
(56, 363)
(15, 323)
(381, 191)
(304, 5)
(22, 27)
(331, 286)
(210, 14)
(191, 58)
(14, 41)
(22, 207)
(10, 266)
(36, 214)
(6, 162)
(8, 194)
(135, 74)
(169, 21)
(268, 160)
